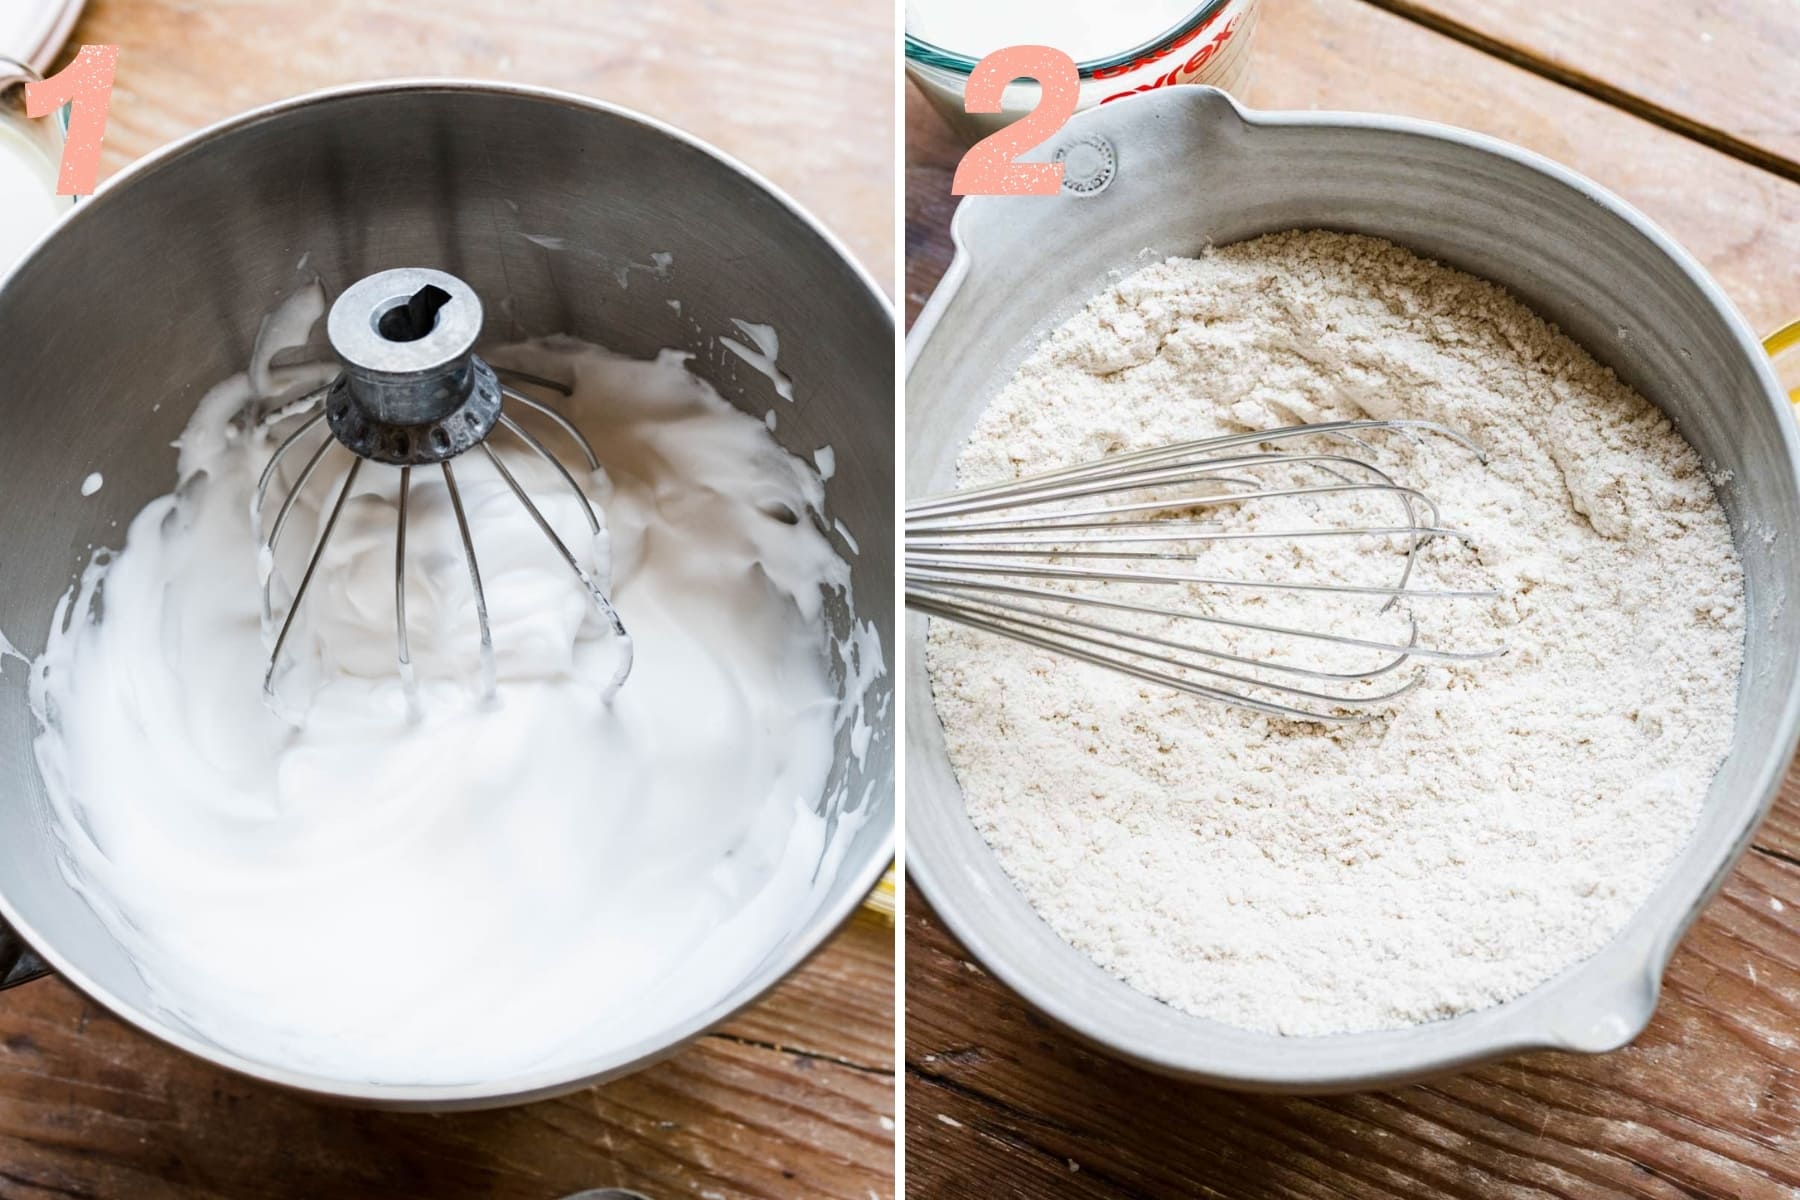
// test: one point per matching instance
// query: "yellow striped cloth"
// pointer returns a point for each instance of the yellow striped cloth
(881, 900)
(1780, 342)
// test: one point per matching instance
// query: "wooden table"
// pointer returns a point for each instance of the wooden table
(1691, 110)
(793, 1099)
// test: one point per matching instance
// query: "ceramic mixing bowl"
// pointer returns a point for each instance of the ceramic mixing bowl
(120, 319)
(1173, 171)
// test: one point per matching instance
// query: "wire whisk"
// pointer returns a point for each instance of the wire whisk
(1179, 566)
(413, 394)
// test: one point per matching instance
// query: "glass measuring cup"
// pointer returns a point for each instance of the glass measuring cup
(1210, 46)
(30, 151)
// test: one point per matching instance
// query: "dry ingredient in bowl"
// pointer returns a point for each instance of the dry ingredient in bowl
(1507, 817)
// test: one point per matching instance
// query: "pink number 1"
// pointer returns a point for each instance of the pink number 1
(86, 84)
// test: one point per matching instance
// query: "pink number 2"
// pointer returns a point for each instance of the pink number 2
(86, 85)
(990, 168)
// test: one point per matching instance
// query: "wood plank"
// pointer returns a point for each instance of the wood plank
(1743, 223)
(1720, 70)
(802, 92)
(840, 1007)
(1706, 1103)
(780, 1103)
(931, 158)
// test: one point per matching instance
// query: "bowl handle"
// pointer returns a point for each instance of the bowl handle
(18, 962)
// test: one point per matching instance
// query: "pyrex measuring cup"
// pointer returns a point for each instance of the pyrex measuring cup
(29, 153)
(1211, 46)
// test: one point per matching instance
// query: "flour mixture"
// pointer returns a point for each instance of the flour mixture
(1504, 819)
(489, 887)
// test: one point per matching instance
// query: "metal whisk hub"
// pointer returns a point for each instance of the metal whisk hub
(412, 391)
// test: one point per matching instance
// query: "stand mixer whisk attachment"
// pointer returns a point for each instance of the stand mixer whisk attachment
(413, 393)
(1181, 566)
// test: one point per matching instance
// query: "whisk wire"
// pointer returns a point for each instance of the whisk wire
(1127, 667)
(402, 651)
(1044, 559)
(1026, 619)
(1170, 532)
(948, 596)
(281, 518)
(1066, 520)
(534, 380)
(1397, 654)
(488, 674)
(312, 565)
(556, 418)
(1209, 446)
(287, 443)
(594, 591)
(581, 497)
(1038, 491)
(310, 423)
(1049, 571)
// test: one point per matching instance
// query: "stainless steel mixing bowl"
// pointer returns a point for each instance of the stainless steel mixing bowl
(145, 296)
(1194, 169)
